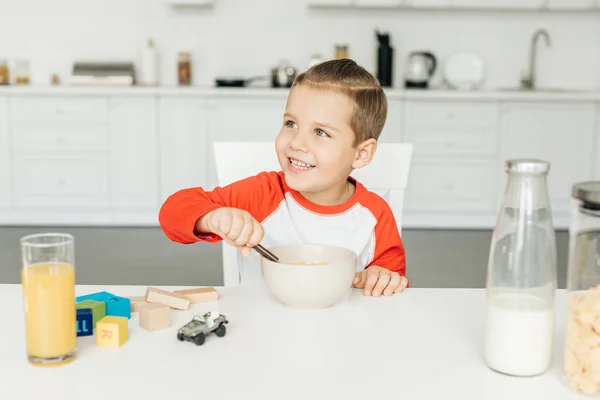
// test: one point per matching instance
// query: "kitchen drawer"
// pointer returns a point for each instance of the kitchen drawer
(59, 108)
(442, 186)
(62, 136)
(451, 113)
(453, 140)
(251, 119)
(59, 181)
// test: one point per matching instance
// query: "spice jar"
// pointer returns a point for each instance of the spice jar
(4, 72)
(184, 68)
(521, 276)
(341, 51)
(581, 365)
(22, 72)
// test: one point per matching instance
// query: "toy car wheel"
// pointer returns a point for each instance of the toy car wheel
(220, 331)
(180, 337)
(199, 339)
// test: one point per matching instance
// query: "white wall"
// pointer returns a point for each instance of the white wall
(247, 37)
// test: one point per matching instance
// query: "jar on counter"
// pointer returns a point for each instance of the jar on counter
(581, 364)
(184, 68)
(341, 51)
(4, 72)
(22, 72)
(521, 277)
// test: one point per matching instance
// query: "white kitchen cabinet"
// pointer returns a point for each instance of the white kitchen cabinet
(561, 133)
(429, 3)
(5, 169)
(392, 130)
(134, 153)
(460, 128)
(184, 141)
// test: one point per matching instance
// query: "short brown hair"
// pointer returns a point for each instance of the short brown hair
(360, 86)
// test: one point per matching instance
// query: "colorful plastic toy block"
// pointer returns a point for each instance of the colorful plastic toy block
(112, 331)
(115, 305)
(98, 309)
(137, 302)
(85, 326)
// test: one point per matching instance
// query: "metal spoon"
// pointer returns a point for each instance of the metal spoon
(266, 253)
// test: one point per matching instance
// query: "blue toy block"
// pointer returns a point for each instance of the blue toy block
(115, 305)
(85, 325)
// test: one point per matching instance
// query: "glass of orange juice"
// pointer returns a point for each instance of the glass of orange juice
(48, 279)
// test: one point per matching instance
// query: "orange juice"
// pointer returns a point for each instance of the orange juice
(50, 315)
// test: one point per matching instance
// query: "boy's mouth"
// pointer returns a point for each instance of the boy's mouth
(300, 165)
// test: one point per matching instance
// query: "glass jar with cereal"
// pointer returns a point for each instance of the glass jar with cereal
(581, 365)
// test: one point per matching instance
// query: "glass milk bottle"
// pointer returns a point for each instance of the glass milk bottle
(581, 363)
(521, 275)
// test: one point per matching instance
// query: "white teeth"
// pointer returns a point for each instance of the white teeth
(300, 164)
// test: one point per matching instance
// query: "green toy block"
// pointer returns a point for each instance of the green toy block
(98, 309)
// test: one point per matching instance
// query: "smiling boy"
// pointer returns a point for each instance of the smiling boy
(334, 115)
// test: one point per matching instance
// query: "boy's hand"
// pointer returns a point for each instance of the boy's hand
(377, 280)
(237, 227)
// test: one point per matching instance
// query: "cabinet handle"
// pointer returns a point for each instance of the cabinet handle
(448, 187)
(451, 116)
(60, 141)
(61, 182)
(59, 111)
(450, 145)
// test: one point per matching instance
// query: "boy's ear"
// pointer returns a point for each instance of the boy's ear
(364, 153)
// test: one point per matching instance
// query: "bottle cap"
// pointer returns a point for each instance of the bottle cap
(527, 166)
(588, 192)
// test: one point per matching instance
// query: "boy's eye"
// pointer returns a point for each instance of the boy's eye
(322, 133)
(290, 124)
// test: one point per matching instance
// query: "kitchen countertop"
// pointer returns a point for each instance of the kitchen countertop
(421, 344)
(249, 92)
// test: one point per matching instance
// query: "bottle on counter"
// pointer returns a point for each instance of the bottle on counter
(385, 59)
(581, 363)
(149, 67)
(22, 74)
(184, 68)
(521, 276)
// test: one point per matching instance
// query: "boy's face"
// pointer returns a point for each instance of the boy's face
(315, 144)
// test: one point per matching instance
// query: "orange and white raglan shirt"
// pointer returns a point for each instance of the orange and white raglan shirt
(365, 223)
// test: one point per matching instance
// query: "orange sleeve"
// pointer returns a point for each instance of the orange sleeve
(259, 195)
(389, 249)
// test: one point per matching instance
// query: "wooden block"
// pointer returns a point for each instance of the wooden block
(85, 326)
(171, 299)
(112, 331)
(155, 316)
(115, 305)
(136, 302)
(200, 295)
(98, 309)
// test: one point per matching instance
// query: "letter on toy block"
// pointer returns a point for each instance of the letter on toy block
(155, 316)
(98, 309)
(137, 302)
(112, 331)
(115, 305)
(200, 295)
(171, 299)
(85, 327)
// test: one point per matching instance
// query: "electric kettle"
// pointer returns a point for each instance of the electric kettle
(420, 67)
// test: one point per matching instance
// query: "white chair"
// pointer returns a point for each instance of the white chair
(386, 175)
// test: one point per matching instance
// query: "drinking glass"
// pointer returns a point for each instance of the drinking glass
(48, 280)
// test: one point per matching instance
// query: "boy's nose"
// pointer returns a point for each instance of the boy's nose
(299, 142)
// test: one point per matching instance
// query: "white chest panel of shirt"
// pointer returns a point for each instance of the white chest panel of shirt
(293, 224)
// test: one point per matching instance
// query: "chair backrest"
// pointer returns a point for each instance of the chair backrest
(386, 175)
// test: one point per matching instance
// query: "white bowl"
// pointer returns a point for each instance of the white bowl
(309, 286)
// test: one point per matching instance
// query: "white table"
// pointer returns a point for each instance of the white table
(422, 344)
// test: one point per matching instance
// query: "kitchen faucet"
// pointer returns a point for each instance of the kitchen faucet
(529, 81)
